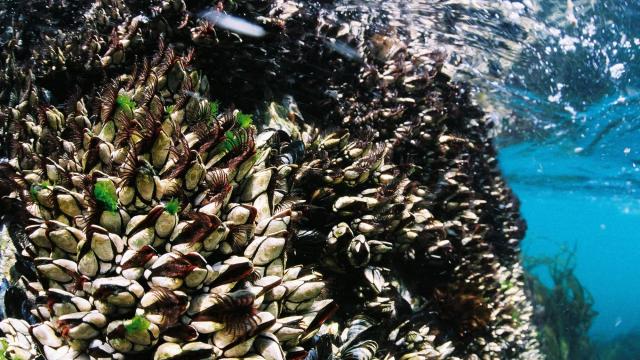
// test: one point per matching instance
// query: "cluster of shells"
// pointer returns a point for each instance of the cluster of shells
(367, 220)
(158, 224)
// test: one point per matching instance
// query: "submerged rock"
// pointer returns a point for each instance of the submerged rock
(358, 212)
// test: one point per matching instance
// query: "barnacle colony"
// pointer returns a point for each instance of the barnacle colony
(150, 223)
(159, 225)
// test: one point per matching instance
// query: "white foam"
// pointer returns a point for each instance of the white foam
(616, 70)
(233, 23)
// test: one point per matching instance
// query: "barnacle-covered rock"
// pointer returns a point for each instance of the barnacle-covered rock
(115, 295)
(150, 222)
(99, 252)
(19, 344)
(55, 303)
(133, 335)
(160, 253)
(191, 350)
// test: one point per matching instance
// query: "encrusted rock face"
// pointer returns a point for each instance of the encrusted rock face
(357, 213)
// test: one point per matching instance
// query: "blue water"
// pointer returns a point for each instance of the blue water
(601, 226)
(570, 148)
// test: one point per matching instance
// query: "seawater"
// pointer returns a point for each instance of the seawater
(601, 227)
(571, 150)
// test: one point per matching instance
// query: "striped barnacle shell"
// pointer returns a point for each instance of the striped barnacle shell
(335, 140)
(301, 293)
(315, 317)
(354, 205)
(97, 156)
(60, 274)
(55, 119)
(19, 341)
(132, 336)
(140, 188)
(114, 221)
(140, 230)
(116, 295)
(81, 325)
(368, 225)
(346, 251)
(164, 307)
(100, 350)
(337, 244)
(201, 233)
(216, 195)
(153, 229)
(190, 350)
(297, 292)
(187, 171)
(206, 322)
(134, 262)
(194, 175)
(44, 334)
(288, 329)
(262, 291)
(276, 224)
(103, 206)
(237, 342)
(233, 312)
(360, 171)
(175, 271)
(268, 346)
(229, 271)
(180, 333)
(42, 205)
(160, 150)
(358, 252)
(99, 252)
(55, 303)
(67, 203)
(256, 192)
(267, 254)
(249, 166)
(240, 220)
(40, 243)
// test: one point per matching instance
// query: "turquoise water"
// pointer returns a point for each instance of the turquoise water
(601, 226)
(570, 148)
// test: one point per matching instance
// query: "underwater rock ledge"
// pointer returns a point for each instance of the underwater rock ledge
(176, 190)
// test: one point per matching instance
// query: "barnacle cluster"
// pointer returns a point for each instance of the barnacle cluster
(353, 210)
(161, 225)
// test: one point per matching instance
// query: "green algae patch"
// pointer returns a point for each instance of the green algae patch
(4, 345)
(244, 120)
(173, 206)
(105, 194)
(125, 102)
(137, 324)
